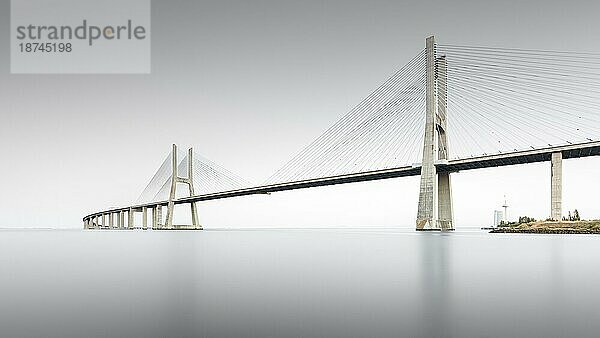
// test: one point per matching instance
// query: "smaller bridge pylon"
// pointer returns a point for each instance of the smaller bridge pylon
(189, 181)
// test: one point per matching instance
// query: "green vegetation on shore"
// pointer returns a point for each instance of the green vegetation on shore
(553, 227)
(569, 225)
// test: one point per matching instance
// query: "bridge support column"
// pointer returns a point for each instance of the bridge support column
(159, 215)
(556, 186)
(156, 217)
(445, 219)
(435, 194)
(121, 220)
(144, 218)
(111, 222)
(130, 219)
(103, 221)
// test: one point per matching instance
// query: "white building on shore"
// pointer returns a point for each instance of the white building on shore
(498, 217)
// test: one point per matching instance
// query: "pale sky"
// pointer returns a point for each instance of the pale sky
(250, 83)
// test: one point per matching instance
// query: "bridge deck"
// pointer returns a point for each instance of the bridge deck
(486, 161)
(522, 157)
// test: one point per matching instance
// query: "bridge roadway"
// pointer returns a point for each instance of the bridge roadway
(586, 149)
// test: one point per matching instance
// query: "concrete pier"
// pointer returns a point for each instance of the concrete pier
(130, 219)
(121, 220)
(445, 219)
(556, 186)
(144, 218)
(156, 217)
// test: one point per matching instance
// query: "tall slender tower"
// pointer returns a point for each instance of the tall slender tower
(505, 206)
(435, 194)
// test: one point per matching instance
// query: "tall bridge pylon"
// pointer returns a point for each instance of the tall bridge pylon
(435, 194)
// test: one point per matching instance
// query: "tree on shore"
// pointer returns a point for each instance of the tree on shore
(526, 219)
(573, 217)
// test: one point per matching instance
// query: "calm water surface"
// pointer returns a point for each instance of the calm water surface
(298, 283)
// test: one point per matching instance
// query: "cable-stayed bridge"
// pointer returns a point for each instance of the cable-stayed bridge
(451, 108)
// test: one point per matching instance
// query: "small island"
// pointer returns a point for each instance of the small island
(568, 225)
